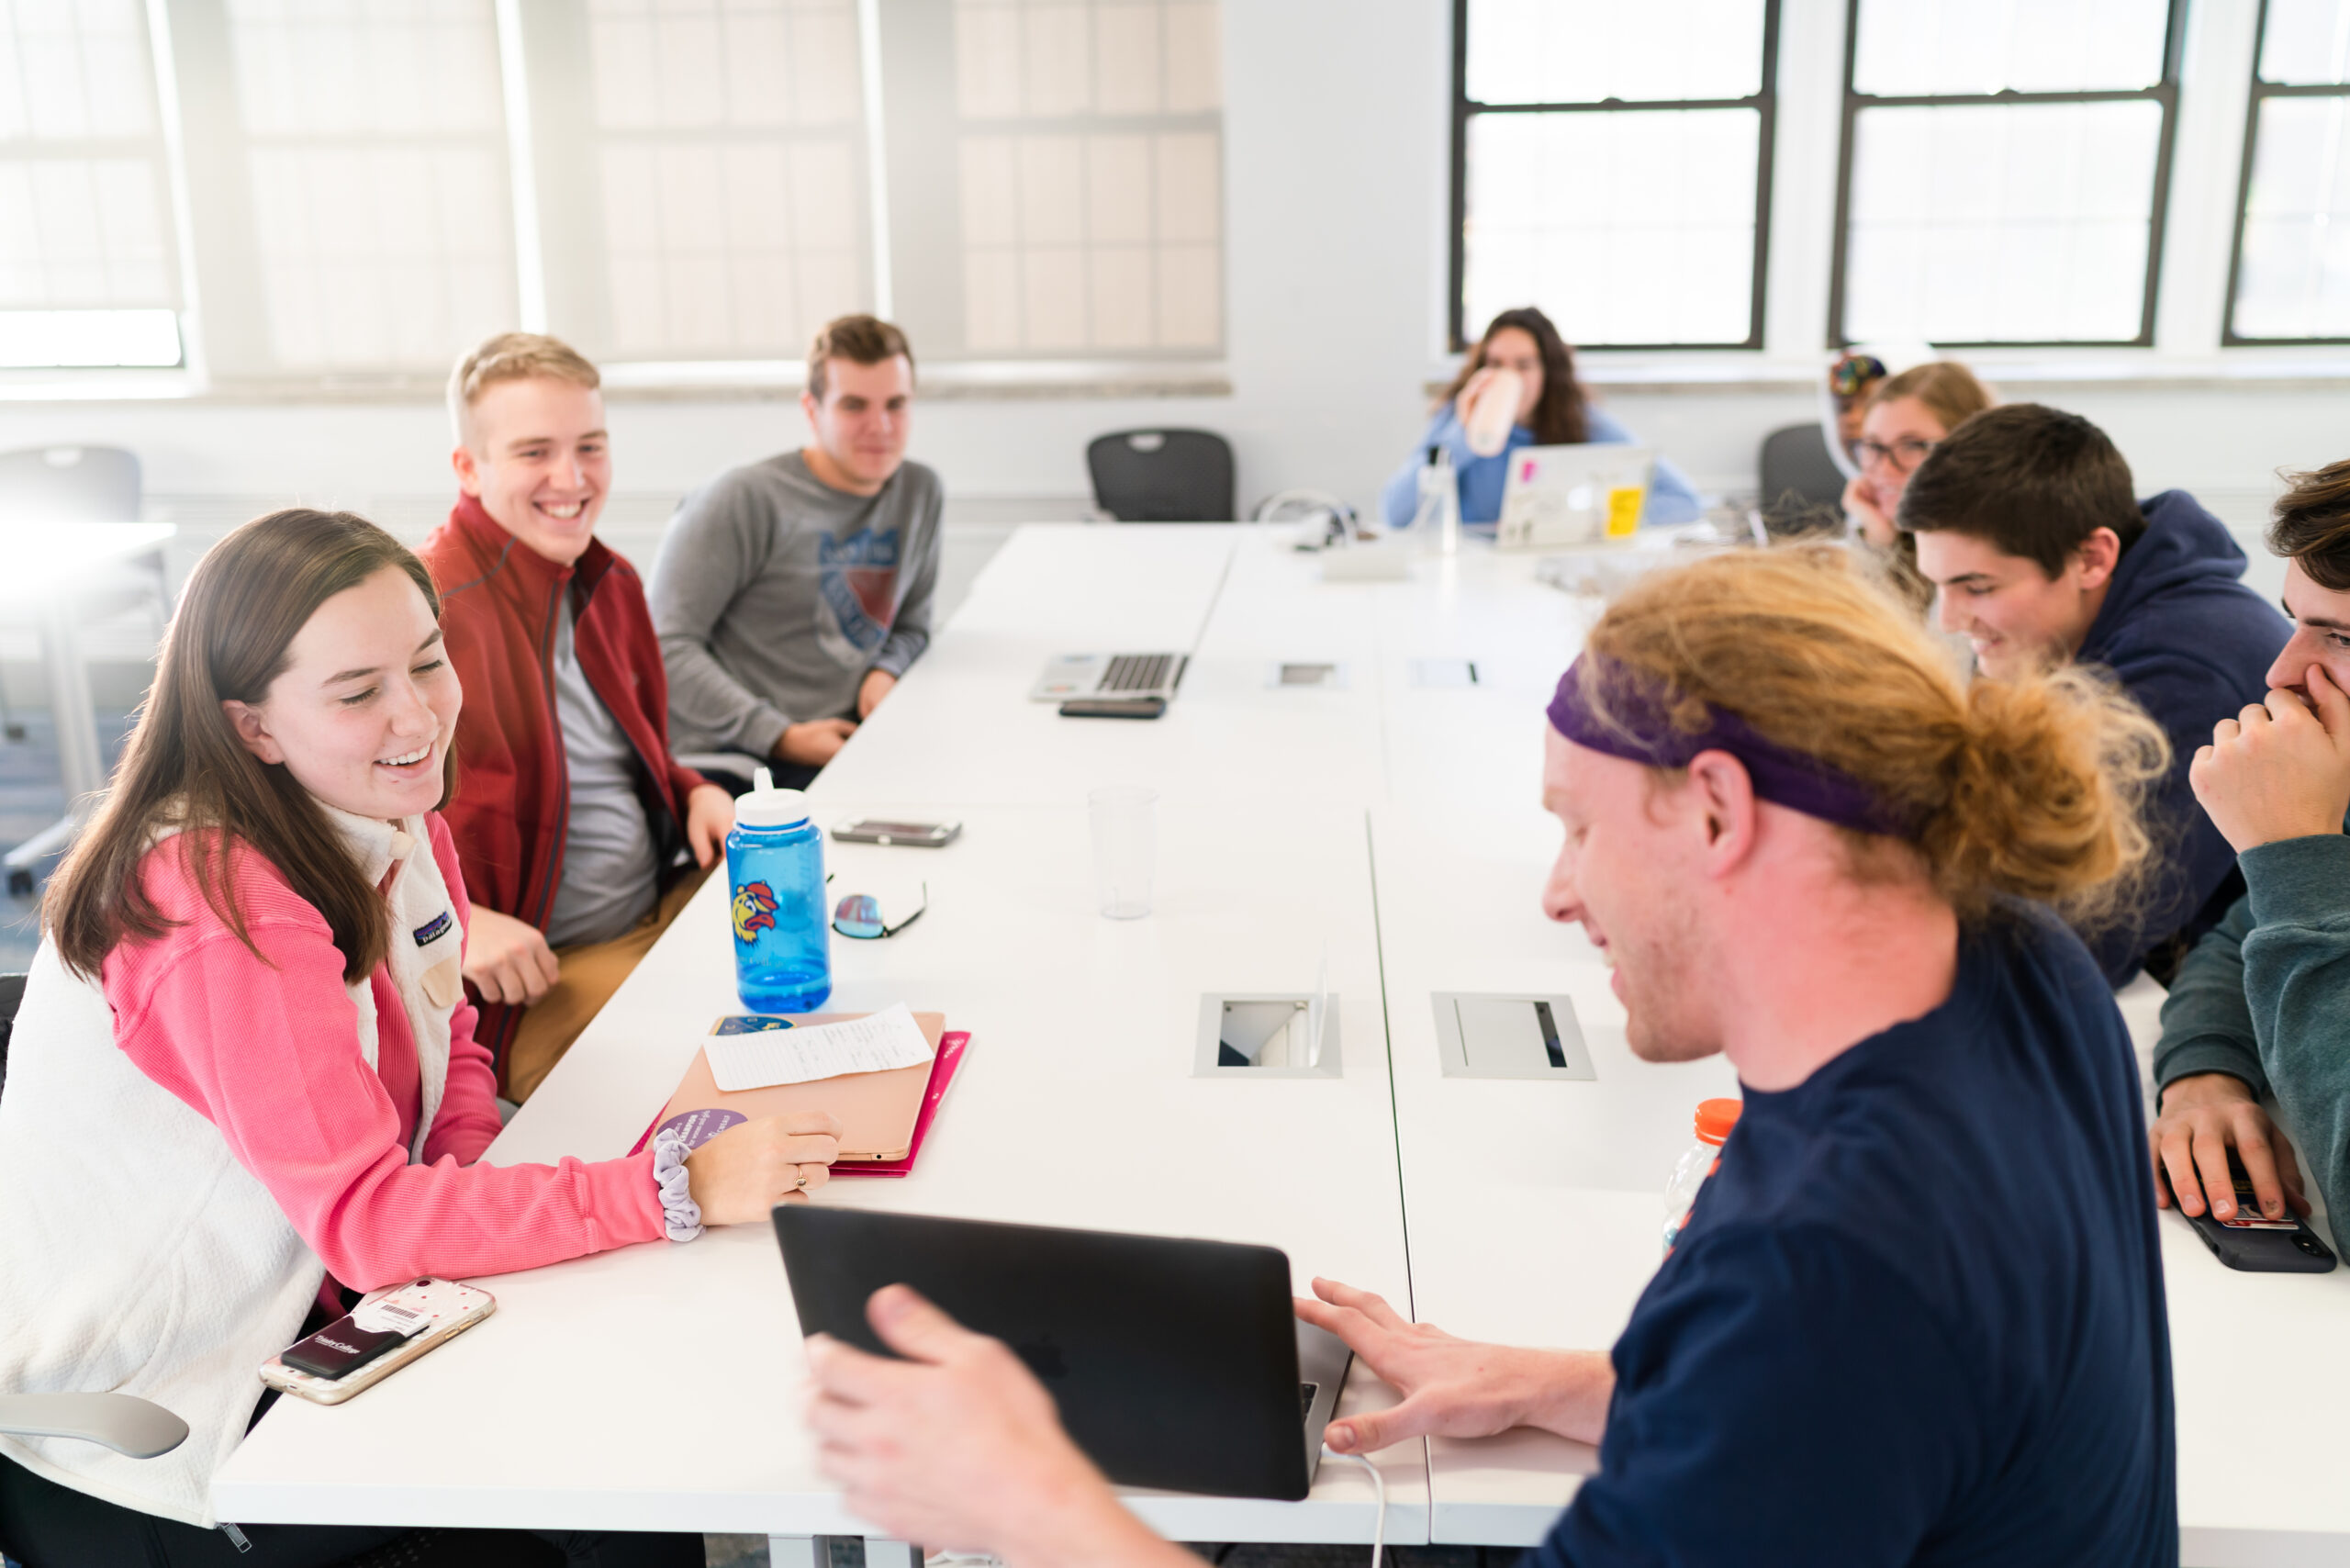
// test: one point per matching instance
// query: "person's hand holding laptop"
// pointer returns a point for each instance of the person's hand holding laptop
(956, 1443)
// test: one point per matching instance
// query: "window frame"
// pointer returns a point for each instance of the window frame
(2261, 92)
(2164, 92)
(154, 150)
(1765, 99)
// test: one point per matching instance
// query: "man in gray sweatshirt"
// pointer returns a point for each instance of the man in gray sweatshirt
(791, 594)
(2263, 1003)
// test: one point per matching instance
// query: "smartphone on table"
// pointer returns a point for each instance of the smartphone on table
(2256, 1244)
(387, 1329)
(874, 830)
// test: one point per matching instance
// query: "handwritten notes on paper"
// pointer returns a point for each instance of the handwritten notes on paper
(875, 1043)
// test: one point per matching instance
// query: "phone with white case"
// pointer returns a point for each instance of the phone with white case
(388, 1329)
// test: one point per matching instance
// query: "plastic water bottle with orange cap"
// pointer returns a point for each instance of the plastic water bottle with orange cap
(1715, 1119)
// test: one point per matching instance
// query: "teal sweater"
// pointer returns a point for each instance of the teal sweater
(2265, 996)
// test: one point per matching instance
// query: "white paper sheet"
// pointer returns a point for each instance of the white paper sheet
(875, 1043)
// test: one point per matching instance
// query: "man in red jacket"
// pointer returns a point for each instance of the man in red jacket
(571, 818)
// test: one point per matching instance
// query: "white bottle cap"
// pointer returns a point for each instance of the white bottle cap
(767, 806)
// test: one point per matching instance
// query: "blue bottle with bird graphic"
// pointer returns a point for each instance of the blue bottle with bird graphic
(775, 866)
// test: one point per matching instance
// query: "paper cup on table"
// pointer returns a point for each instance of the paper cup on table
(1126, 843)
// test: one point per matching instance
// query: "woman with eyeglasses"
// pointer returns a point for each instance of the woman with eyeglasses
(1523, 358)
(1905, 415)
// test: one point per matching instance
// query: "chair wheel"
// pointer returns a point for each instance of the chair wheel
(20, 884)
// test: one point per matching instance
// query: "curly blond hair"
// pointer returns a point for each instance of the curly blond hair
(2029, 788)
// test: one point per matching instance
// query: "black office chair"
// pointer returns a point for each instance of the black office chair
(1802, 490)
(1163, 475)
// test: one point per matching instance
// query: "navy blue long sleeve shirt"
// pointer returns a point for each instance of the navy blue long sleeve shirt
(1917, 1317)
(2186, 639)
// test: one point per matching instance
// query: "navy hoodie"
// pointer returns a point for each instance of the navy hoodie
(2193, 645)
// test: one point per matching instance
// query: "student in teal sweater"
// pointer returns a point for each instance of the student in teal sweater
(2263, 1003)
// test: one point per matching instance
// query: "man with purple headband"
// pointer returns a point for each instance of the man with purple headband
(1916, 1315)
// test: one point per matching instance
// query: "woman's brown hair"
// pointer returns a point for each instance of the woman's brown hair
(1558, 413)
(1952, 395)
(1950, 391)
(184, 765)
(2027, 788)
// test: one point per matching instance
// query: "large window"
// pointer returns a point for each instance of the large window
(1612, 165)
(702, 183)
(371, 142)
(1056, 177)
(358, 190)
(2005, 169)
(2290, 280)
(89, 274)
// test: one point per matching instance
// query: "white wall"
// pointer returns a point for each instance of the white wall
(1336, 147)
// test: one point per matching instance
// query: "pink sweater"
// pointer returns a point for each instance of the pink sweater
(267, 1049)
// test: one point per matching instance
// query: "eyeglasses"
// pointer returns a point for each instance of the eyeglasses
(1903, 454)
(859, 916)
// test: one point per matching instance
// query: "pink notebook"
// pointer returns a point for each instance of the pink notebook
(942, 1073)
(943, 1066)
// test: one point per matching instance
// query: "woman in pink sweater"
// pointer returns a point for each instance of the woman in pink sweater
(244, 1084)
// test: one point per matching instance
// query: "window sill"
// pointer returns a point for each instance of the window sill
(755, 381)
(2319, 367)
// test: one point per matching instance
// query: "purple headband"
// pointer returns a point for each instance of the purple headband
(1647, 734)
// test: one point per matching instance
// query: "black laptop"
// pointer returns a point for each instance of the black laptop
(1175, 1363)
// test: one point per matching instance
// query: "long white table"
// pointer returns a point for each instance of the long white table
(960, 727)
(1532, 1210)
(658, 1387)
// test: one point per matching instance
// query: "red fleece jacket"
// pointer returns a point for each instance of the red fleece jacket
(513, 808)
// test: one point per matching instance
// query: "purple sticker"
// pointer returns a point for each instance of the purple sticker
(698, 1128)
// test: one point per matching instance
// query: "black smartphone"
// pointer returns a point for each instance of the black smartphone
(2256, 1244)
(340, 1348)
(1114, 708)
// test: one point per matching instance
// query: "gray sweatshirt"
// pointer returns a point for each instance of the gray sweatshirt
(2265, 996)
(774, 594)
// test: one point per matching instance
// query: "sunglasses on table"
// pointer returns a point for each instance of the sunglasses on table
(858, 916)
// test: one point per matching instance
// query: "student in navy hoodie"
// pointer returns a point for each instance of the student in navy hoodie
(2028, 529)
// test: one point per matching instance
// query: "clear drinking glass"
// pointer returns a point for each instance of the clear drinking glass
(1126, 841)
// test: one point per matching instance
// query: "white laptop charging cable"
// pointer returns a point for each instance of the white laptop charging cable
(1377, 1491)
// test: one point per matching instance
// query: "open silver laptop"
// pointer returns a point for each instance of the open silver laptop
(1109, 675)
(1562, 495)
(1072, 676)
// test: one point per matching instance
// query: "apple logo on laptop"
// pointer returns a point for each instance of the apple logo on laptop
(1043, 1358)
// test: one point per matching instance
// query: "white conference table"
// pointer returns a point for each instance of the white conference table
(960, 727)
(658, 1388)
(1532, 1209)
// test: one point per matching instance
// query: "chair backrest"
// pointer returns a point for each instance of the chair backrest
(12, 996)
(1796, 461)
(68, 484)
(1163, 475)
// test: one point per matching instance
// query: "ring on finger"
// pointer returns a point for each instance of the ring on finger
(801, 1183)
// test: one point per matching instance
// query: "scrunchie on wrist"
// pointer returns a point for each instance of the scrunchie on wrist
(680, 1215)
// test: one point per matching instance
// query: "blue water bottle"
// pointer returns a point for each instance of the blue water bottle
(774, 864)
